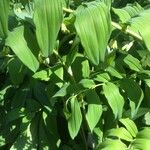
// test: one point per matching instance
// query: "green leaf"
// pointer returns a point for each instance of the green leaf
(48, 16)
(134, 93)
(26, 13)
(87, 83)
(74, 122)
(114, 72)
(96, 17)
(94, 111)
(42, 75)
(107, 2)
(127, 12)
(145, 57)
(121, 133)
(83, 70)
(112, 145)
(16, 69)
(114, 98)
(63, 91)
(142, 140)
(141, 144)
(133, 63)
(15, 114)
(147, 118)
(130, 126)
(144, 134)
(2, 141)
(18, 44)
(140, 25)
(28, 137)
(102, 77)
(4, 11)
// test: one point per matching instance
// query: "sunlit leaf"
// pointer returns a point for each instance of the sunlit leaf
(112, 145)
(94, 28)
(18, 44)
(102, 77)
(48, 15)
(130, 126)
(4, 11)
(128, 11)
(121, 133)
(75, 119)
(132, 62)
(94, 111)
(114, 98)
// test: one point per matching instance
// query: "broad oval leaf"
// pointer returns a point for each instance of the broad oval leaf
(114, 98)
(113, 72)
(133, 63)
(140, 25)
(93, 25)
(4, 10)
(94, 111)
(141, 144)
(75, 119)
(102, 77)
(130, 126)
(121, 133)
(144, 134)
(15, 68)
(142, 140)
(112, 145)
(134, 93)
(87, 83)
(48, 16)
(19, 45)
(128, 11)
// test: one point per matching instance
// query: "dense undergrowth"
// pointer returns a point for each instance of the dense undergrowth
(74, 74)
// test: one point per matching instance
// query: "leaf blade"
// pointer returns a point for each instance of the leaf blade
(48, 16)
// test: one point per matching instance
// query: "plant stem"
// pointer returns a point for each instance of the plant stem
(127, 31)
(84, 138)
(68, 10)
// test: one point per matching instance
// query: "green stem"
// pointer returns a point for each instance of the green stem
(127, 31)
(84, 138)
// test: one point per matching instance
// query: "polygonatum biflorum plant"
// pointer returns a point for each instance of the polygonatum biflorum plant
(74, 74)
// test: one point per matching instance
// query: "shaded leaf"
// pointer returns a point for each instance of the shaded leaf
(16, 69)
(134, 93)
(83, 70)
